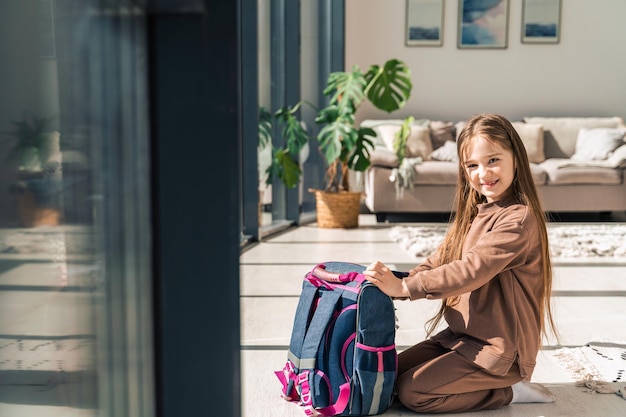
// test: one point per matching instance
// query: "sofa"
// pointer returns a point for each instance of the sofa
(578, 165)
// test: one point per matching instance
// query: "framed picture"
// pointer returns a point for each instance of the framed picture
(483, 24)
(541, 21)
(424, 22)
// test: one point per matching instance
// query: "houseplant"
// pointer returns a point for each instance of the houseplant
(34, 151)
(344, 146)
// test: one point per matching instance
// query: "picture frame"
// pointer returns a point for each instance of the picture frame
(424, 22)
(541, 21)
(483, 24)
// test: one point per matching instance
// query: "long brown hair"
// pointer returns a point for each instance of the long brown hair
(498, 130)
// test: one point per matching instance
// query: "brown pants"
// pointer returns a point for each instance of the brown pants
(433, 379)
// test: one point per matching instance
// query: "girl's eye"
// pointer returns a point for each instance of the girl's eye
(493, 160)
(470, 166)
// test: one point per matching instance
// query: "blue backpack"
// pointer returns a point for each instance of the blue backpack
(342, 357)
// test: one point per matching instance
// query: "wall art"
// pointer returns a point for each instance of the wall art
(424, 22)
(541, 21)
(483, 23)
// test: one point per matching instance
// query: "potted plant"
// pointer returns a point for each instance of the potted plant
(34, 152)
(344, 146)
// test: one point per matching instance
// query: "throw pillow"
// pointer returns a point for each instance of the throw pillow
(417, 144)
(376, 123)
(447, 152)
(441, 132)
(532, 136)
(618, 157)
(598, 143)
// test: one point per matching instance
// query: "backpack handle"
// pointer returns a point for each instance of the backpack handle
(322, 273)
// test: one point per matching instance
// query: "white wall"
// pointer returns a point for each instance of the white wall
(583, 75)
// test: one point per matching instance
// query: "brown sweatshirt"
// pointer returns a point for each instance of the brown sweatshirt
(499, 280)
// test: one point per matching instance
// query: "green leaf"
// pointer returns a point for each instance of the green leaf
(327, 115)
(293, 133)
(389, 87)
(285, 168)
(265, 128)
(347, 88)
(360, 158)
(331, 137)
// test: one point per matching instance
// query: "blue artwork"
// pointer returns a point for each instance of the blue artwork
(541, 21)
(483, 23)
(424, 22)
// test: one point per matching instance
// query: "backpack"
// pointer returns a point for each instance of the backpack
(342, 358)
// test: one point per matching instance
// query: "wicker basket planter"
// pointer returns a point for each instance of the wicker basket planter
(337, 210)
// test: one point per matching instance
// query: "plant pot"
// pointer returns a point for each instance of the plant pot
(32, 215)
(337, 210)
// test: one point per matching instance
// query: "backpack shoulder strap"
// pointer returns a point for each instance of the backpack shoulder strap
(317, 327)
(298, 332)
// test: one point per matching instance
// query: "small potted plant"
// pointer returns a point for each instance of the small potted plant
(344, 146)
(35, 154)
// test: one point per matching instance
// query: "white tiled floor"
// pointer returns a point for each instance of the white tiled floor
(589, 302)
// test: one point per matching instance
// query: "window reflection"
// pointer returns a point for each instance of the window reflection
(75, 329)
(48, 267)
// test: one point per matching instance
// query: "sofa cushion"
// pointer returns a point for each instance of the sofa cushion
(445, 173)
(598, 143)
(561, 133)
(540, 177)
(417, 143)
(447, 152)
(441, 132)
(383, 156)
(436, 173)
(531, 135)
(563, 171)
(617, 159)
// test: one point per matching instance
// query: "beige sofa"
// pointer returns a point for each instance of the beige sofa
(578, 164)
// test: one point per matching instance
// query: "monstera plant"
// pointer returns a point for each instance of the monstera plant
(344, 145)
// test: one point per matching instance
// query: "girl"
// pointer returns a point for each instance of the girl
(494, 275)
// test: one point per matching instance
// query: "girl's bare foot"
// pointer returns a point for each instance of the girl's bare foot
(527, 392)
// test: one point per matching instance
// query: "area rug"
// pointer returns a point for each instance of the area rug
(599, 366)
(606, 241)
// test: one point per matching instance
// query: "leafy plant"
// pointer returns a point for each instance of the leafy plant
(343, 145)
(29, 143)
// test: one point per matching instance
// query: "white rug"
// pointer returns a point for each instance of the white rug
(599, 366)
(567, 240)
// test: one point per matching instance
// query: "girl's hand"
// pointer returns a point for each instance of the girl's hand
(381, 276)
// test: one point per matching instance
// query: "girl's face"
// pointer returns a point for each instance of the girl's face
(490, 168)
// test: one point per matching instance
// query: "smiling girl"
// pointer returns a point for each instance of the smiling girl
(494, 275)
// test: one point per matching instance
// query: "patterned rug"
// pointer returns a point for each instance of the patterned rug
(598, 366)
(567, 240)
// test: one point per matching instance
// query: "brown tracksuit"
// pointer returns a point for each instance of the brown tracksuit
(493, 332)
